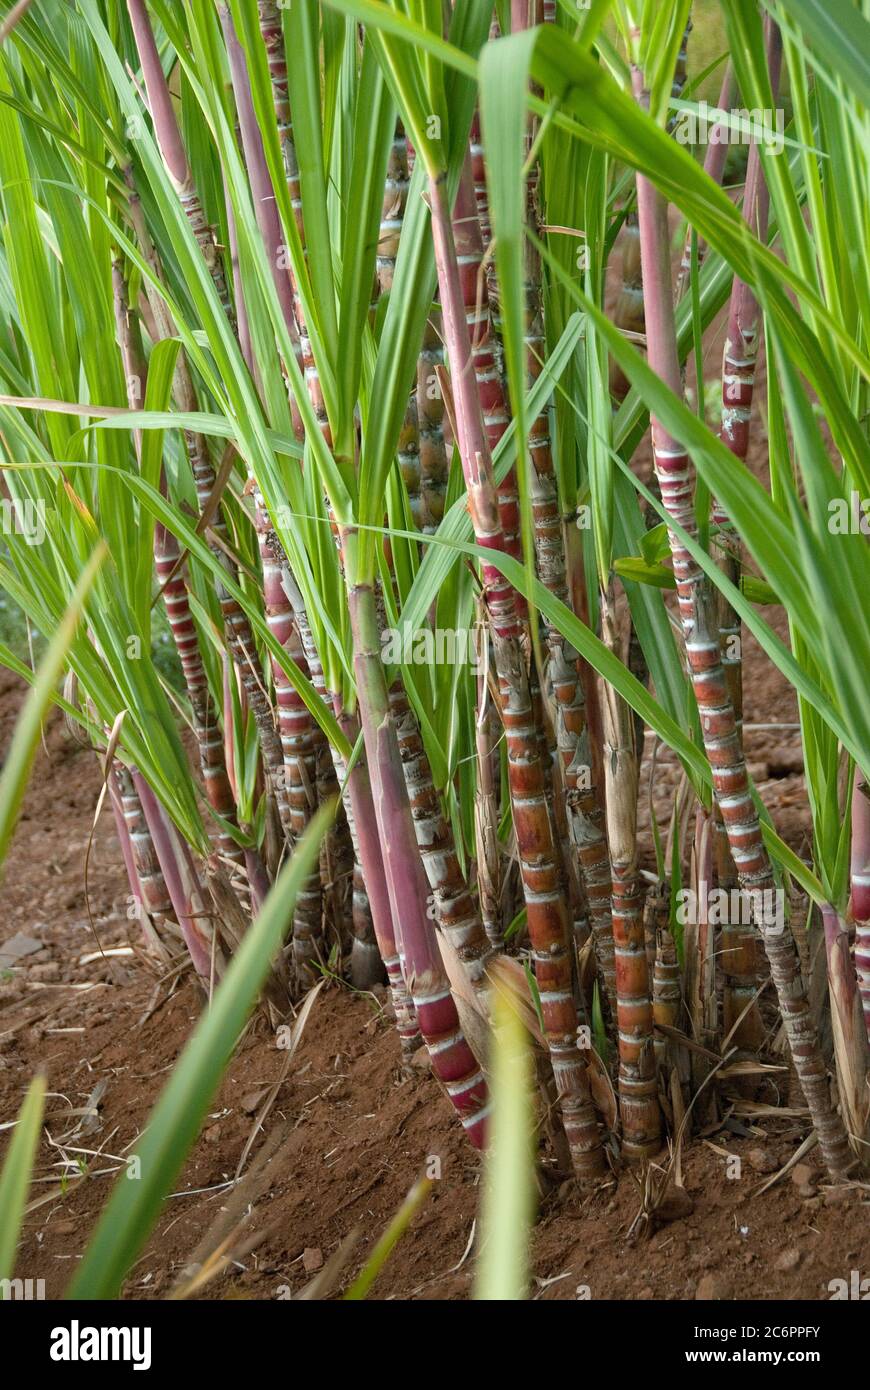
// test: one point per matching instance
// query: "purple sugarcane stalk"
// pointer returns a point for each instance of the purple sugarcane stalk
(149, 931)
(860, 873)
(182, 882)
(371, 859)
(714, 166)
(545, 902)
(739, 962)
(851, 1043)
(452, 1060)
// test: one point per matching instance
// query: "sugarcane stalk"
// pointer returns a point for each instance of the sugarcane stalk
(452, 1060)
(365, 960)
(486, 813)
(298, 785)
(448, 1060)
(143, 868)
(638, 1089)
(547, 532)
(851, 1044)
(564, 672)
(262, 192)
(860, 883)
(172, 148)
(389, 237)
(628, 314)
(722, 739)
(183, 886)
(740, 355)
(457, 912)
(667, 994)
(546, 910)
(366, 966)
(434, 462)
(299, 761)
(380, 908)
(714, 167)
(700, 958)
(487, 375)
(337, 855)
(239, 636)
(432, 421)
(173, 587)
(554, 796)
(269, 14)
(302, 751)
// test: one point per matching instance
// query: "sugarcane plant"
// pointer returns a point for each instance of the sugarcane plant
(316, 355)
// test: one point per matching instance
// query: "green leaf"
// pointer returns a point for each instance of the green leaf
(178, 1114)
(16, 1174)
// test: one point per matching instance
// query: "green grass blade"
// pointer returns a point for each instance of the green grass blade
(16, 1172)
(509, 1192)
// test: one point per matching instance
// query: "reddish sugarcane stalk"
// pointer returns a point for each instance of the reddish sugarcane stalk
(262, 192)
(389, 236)
(722, 740)
(851, 1044)
(860, 877)
(299, 761)
(739, 954)
(628, 314)
(714, 167)
(666, 984)
(452, 1060)
(302, 743)
(444, 1063)
(294, 719)
(173, 586)
(490, 388)
(337, 854)
(237, 628)
(240, 638)
(269, 13)
(143, 869)
(380, 912)
(638, 1087)
(456, 909)
(365, 961)
(364, 965)
(546, 910)
(434, 463)
(486, 814)
(172, 147)
(585, 813)
(422, 453)
(432, 421)
(183, 886)
(273, 38)
(564, 671)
